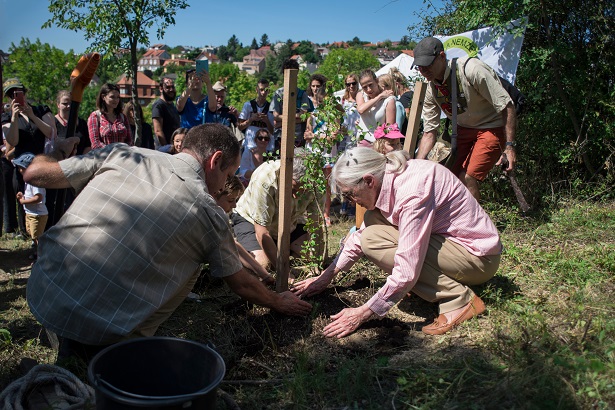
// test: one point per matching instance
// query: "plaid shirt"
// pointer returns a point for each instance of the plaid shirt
(104, 132)
(138, 231)
(425, 199)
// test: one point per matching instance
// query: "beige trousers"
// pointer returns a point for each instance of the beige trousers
(446, 272)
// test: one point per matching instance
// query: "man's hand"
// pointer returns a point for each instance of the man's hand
(347, 321)
(250, 288)
(511, 155)
(291, 305)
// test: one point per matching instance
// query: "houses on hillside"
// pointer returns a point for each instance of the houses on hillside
(146, 88)
(254, 62)
(153, 59)
(159, 59)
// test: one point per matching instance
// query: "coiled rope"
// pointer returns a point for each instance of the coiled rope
(64, 384)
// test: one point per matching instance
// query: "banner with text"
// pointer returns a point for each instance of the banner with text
(500, 51)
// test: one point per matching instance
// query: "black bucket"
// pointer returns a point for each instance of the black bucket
(156, 373)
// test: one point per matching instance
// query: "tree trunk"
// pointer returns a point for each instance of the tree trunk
(137, 138)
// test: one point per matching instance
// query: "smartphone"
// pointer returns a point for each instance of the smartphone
(202, 66)
(19, 97)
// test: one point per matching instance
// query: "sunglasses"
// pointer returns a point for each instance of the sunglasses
(263, 138)
(351, 84)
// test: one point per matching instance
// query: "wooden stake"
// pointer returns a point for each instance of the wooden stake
(414, 119)
(286, 178)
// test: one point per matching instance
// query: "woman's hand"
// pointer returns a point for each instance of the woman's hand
(16, 109)
(347, 321)
(385, 94)
(27, 110)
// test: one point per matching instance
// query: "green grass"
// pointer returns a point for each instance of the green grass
(547, 340)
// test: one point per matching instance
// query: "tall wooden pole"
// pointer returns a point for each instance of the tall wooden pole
(286, 178)
(414, 119)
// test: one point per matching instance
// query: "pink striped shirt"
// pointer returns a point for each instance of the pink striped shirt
(425, 199)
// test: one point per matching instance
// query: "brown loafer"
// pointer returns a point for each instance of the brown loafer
(441, 325)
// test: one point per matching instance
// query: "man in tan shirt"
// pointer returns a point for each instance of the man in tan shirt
(486, 116)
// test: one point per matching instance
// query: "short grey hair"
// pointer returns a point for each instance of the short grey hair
(299, 168)
(354, 163)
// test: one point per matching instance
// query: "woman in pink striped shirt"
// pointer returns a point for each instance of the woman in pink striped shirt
(423, 228)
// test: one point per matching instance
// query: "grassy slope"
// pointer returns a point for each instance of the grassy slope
(547, 340)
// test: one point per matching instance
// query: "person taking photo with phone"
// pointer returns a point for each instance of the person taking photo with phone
(25, 128)
(191, 102)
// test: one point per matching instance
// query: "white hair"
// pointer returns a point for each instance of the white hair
(299, 168)
(354, 163)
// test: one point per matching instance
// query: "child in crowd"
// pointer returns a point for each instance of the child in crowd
(388, 138)
(33, 201)
(227, 200)
(177, 139)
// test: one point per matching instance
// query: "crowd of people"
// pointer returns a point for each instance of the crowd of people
(198, 188)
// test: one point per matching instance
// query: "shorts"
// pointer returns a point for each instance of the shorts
(246, 235)
(478, 151)
(35, 225)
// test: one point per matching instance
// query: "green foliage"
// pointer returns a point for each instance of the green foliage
(566, 70)
(5, 338)
(273, 65)
(306, 50)
(42, 68)
(342, 61)
(265, 40)
(100, 23)
(107, 33)
(328, 117)
(242, 89)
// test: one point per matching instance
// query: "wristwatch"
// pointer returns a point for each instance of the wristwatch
(511, 144)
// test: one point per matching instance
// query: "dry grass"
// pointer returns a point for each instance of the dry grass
(545, 342)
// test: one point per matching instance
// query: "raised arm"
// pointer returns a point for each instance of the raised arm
(212, 104)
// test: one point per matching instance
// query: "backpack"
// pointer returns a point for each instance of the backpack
(515, 94)
(300, 93)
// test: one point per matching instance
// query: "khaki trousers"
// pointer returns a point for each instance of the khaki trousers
(446, 272)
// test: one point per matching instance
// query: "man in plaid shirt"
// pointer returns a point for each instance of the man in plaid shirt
(130, 248)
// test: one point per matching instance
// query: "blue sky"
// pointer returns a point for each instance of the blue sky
(214, 22)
